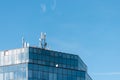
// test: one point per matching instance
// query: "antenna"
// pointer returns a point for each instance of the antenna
(23, 42)
(42, 39)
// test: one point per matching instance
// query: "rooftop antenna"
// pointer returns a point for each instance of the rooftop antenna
(43, 43)
(23, 41)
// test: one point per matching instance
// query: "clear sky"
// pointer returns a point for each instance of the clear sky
(89, 28)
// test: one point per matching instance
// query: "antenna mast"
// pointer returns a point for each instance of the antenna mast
(43, 43)
(24, 43)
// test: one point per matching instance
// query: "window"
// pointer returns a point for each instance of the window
(6, 53)
(11, 74)
(1, 76)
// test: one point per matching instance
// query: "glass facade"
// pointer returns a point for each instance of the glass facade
(14, 64)
(39, 64)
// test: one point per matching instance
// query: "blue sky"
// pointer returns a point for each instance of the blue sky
(89, 28)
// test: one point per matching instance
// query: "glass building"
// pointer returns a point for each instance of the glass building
(32, 63)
